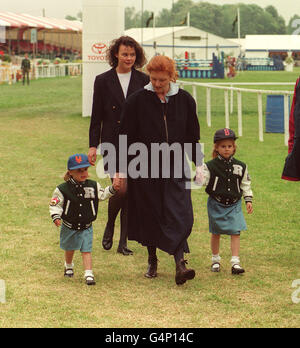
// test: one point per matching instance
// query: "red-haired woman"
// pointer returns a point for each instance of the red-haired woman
(160, 213)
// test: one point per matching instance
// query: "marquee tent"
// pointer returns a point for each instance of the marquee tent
(52, 34)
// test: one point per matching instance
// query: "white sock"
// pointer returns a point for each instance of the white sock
(235, 260)
(69, 265)
(216, 258)
(88, 273)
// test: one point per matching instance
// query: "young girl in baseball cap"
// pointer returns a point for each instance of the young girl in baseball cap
(73, 207)
(227, 181)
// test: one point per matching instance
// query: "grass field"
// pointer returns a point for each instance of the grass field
(41, 126)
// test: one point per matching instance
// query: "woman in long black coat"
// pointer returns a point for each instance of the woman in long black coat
(160, 213)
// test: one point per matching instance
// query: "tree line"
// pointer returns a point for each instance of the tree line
(217, 19)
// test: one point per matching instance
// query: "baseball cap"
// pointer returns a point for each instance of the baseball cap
(223, 134)
(78, 161)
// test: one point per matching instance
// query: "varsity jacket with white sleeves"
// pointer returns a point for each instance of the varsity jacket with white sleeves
(226, 181)
(77, 203)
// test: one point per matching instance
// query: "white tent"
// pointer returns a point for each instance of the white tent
(259, 46)
(198, 43)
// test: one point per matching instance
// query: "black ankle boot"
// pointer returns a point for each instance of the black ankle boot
(152, 268)
(182, 273)
(107, 241)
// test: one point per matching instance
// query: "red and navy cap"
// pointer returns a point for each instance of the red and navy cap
(223, 134)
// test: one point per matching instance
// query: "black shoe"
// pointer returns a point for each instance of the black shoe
(125, 251)
(107, 241)
(182, 273)
(237, 269)
(69, 272)
(152, 268)
(90, 280)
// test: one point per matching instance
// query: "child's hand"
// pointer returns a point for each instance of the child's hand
(249, 207)
(57, 222)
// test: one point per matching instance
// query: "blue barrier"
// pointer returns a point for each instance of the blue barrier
(275, 113)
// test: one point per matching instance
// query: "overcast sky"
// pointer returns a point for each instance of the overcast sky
(61, 8)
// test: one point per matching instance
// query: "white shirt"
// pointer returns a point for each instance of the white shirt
(124, 81)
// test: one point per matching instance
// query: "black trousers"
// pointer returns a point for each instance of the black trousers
(25, 75)
(119, 203)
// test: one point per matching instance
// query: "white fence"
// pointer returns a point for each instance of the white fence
(229, 102)
(58, 70)
(12, 73)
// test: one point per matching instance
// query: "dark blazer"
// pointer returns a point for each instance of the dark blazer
(291, 169)
(108, 102)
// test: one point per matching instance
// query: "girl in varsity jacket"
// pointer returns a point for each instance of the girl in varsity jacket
(73, 207)
(227, 181)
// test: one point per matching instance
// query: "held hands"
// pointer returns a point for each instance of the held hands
(249, 207)
(199, 178)
(120, 183)
(92, 155)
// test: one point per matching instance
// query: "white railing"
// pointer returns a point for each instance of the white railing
(11, 73)
(8, 74)
(229, 103)
(58, 70)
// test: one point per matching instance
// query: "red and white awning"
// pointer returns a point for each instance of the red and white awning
(14, 20)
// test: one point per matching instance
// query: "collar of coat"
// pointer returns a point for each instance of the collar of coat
(74, 182)
(229, 160)
(174, 89)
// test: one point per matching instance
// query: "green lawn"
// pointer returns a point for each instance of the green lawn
(41, 126)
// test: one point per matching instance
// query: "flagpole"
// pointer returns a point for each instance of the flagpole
(154, 43)
(142, 38)
(239, 27)
(173, 31)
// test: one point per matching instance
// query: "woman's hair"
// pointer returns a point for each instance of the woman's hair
(163, 63)
(215, 152)
(126, 41)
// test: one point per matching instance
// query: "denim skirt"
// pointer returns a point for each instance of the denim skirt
(76, 240)
(225, 219)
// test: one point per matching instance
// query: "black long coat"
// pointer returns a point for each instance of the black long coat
(160, 211)
(291, 169)
(108, 102)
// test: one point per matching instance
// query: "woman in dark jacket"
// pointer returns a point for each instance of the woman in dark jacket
(110, 91)
(160, 213)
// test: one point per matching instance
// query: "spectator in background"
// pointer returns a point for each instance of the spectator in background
(25, 66)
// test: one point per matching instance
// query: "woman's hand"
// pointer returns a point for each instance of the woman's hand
(92, 155)
(120, 183)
